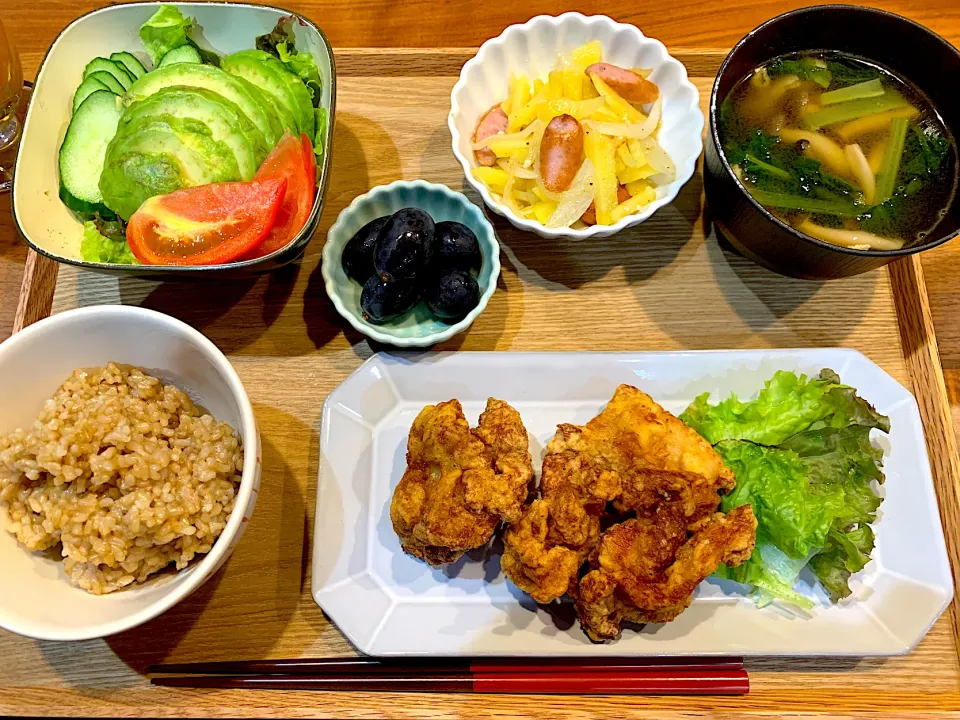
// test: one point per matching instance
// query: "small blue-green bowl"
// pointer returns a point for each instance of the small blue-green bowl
(418, 328)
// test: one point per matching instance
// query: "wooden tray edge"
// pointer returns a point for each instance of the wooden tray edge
(445, 62)
(36, 290)
(921, 354)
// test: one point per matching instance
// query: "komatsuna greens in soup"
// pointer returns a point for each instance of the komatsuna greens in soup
(841, 149)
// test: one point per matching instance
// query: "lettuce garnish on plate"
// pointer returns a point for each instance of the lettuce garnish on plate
(803, 458)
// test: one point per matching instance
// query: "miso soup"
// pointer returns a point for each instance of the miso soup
(841, 149)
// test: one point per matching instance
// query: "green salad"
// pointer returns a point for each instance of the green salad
(195, 118)
(803, 459)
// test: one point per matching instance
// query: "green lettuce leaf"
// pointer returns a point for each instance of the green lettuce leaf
(846, 407)
(304, 66)
(795, 515)
(280, 42)
(787, 405)
(803, 459)
(772, 573)
(95, 247)
(166, 29)
(845, 554)
(843, 458)
(280, 34)
(833, 454)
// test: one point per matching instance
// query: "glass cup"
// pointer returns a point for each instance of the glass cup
(11, 87)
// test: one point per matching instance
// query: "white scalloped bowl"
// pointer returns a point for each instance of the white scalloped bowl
(418, 328)
(534, 49)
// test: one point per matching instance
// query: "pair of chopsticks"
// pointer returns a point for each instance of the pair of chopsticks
(560, 676)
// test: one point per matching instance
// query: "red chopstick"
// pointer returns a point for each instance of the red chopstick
(420, 666)
(673, 681)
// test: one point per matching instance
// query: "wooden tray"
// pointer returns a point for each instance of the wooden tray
(661, 286)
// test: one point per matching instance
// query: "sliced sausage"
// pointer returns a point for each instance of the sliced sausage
(627, 84)
(561, 152)
(590, 216)
(493, 122)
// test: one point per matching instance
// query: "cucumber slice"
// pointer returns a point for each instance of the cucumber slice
(81, 154)
(109, 80)
(129, 63)
(182, 54)
(80, 207)
(119, 72)
(84, 209)
(89, 86)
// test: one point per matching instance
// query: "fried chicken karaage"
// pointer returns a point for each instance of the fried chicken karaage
(646, 569)
(543, 551)
(655, 484)
(460, 483)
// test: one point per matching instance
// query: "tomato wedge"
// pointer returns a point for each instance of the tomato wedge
(309, 159)
(287, 161)
(206, 224)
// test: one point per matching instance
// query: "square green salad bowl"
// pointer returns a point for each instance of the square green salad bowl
(47, 225)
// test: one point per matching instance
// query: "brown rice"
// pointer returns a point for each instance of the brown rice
(124, 472)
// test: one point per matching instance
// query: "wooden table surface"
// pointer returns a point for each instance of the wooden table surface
(386, 23)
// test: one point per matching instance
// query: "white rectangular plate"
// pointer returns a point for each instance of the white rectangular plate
(388, 603)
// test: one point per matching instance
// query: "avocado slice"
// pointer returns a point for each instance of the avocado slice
(306, 115)
(209, 78)
(225, 121)
(272, 77)
(159, 156)
(278, 112)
